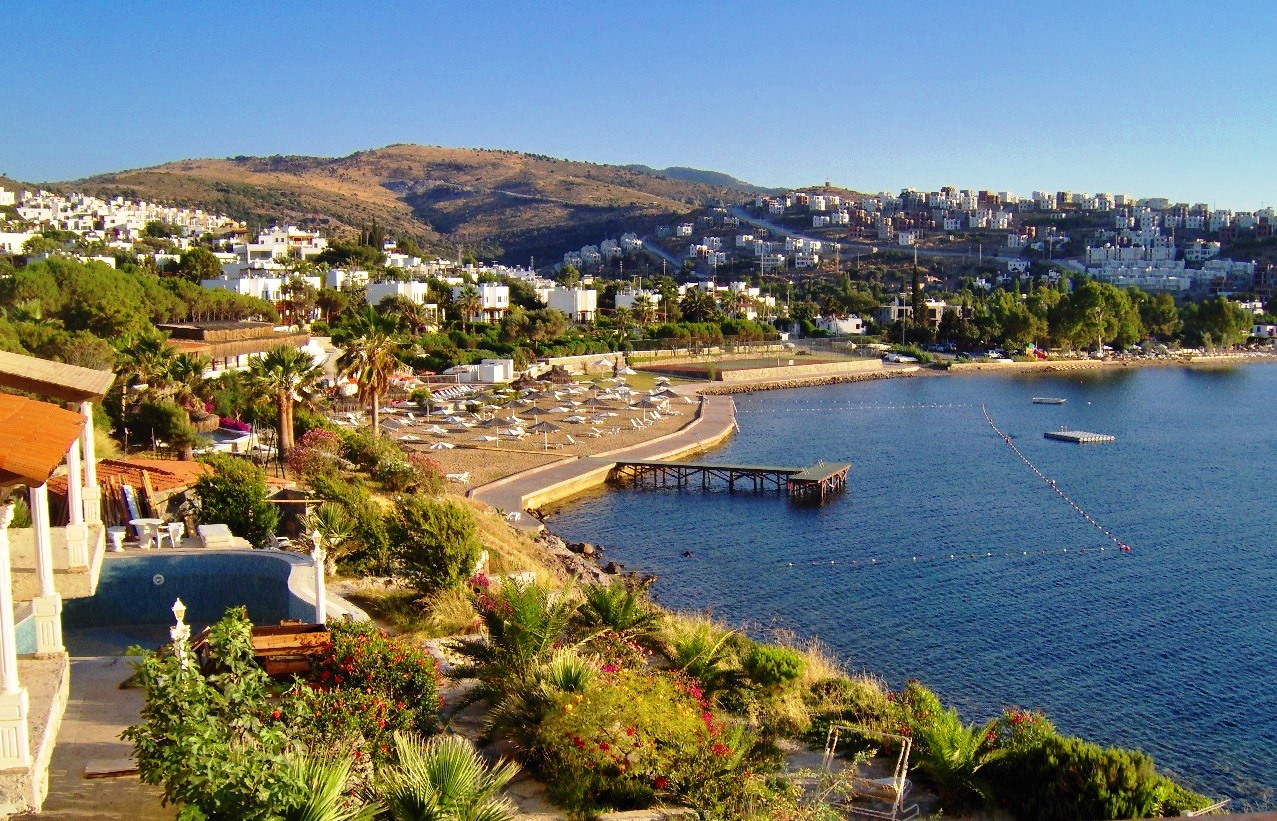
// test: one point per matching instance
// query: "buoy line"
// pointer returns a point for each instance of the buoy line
(1053, 485)
(945, 557)
(841, 406)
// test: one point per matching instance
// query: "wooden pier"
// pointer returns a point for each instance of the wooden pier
(1080, 437)
(802, 484)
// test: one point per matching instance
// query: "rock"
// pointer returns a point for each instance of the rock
(587, 549)
(613, 568)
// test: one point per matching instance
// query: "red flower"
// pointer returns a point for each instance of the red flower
(661, 782)
(275, 714)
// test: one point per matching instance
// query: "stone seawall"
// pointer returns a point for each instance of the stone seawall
(795, 371)
(807, 382)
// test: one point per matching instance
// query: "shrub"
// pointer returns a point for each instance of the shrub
(367, 687)
(434, 541)
(1067, 778)
(369, 451)
(235, 495)
(368, 549)
(211, 743)
(912, 709)
(769, 666)
(952, 754)
(315, 453)
(630, 737)
(703, 650)
(395, 475)
(429, 475)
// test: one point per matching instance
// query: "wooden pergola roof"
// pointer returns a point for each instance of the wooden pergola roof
(55, 380)
(37, 435)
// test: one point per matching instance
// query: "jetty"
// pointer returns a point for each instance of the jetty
(1080, 437)
(812, 483)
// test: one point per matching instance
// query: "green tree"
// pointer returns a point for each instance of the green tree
(1160, 316)
(436, 542)
(286, 375)
(235, 495)
(198, 264)
(162, 421)
(698, 305)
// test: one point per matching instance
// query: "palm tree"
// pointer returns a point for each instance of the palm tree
(186, 372)
(288, 375)
(370, 358)
(468, 303)
(446, 779)
(323, 793)
(335, 527)
(953, 754)
(698, 305)
(644, 309)
(145, 359)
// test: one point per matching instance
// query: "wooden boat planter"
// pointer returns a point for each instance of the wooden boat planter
(284, 650)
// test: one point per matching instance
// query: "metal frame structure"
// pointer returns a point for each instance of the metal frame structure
(877, 797)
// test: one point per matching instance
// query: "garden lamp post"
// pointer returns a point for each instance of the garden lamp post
(317, 555)
(180, 632)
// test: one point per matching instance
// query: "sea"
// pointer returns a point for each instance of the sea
(992, 569)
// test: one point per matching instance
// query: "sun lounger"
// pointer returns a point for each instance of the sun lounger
(459, 478)
(215, 536)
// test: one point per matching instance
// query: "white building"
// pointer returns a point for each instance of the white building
(578, 304)
(494, 301)
(626, 298)
(850, 326)
(414, 291)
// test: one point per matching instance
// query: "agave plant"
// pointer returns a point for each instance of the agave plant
(445, 779)
(322, 793)
(953, 754)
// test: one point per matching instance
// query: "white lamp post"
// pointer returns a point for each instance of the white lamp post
(318, 555)
(179, 632)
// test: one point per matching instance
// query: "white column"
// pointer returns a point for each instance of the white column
(92, 493)
(321, 599)
(77, 532)
(48, 605)
(15, 748)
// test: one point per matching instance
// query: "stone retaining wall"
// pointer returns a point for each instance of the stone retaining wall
(808, 382)
(789, 371)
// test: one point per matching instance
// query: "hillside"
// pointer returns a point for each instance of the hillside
(715, 178)
(500, 203)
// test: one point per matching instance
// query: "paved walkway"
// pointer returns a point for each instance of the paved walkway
(715, 421)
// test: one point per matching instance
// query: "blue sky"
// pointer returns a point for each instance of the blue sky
(1171, 99)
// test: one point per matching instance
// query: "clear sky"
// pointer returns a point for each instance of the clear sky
(1170, 98)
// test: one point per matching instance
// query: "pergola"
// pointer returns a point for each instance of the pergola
(37, 437)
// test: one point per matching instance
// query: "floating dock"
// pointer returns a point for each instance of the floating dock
(1080, 437)
(799, 483)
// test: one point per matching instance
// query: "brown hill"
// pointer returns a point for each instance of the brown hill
(500, 203)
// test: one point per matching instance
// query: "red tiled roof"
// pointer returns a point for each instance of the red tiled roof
(165, 474)
(36, 438)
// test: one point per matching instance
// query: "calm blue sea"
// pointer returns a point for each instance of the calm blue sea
(1171, 647)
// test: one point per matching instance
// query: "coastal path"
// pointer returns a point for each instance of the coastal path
(715, 421)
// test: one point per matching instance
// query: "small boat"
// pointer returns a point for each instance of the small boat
(1048, 400)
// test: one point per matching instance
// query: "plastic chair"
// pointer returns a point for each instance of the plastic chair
(175, 532)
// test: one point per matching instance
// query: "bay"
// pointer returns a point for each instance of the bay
(949, 560)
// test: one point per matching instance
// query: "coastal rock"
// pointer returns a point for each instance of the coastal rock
(613, 568)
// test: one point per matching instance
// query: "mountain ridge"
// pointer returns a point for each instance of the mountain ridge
(498, 203)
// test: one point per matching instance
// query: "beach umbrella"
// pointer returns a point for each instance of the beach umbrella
(559, 409)
(491, 423)
(627, 371)
(486, 438)
(441, 446)
(595, 402)
(666, 392)
(410, 438)
(435, 430)
(575, 419)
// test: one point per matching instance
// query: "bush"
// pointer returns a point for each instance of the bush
(1067, 778)
(370, 552)
(435, 542)
(768, 666)
(315, 453)
(235, 495)
(369, 451)
(628, 738)
(365, 689)
(395, 475)
(211, 743)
